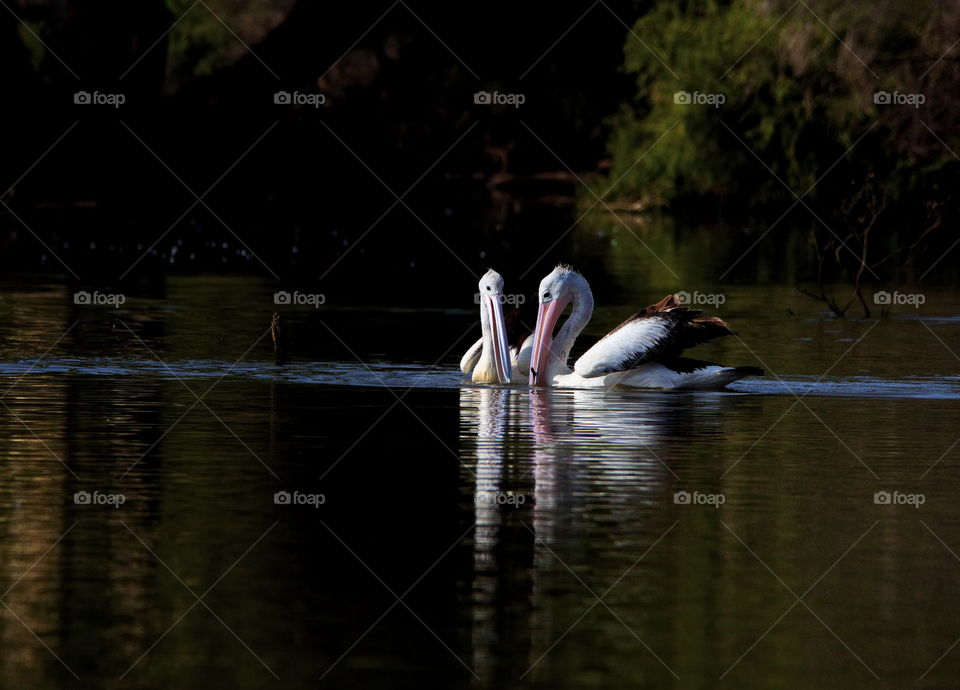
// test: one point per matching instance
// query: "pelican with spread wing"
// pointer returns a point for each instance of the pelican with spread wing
(642, 352)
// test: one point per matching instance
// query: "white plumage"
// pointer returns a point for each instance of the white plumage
(642, 352)
(632, 342)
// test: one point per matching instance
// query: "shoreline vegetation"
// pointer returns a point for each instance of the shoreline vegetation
(838, 119)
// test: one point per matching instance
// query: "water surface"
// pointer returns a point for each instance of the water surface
(460, 536)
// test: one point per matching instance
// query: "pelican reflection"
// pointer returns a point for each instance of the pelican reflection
(571, 459)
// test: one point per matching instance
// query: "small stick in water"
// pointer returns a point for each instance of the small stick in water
(278, 334)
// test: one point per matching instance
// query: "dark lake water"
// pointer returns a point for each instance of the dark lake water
(444, 535)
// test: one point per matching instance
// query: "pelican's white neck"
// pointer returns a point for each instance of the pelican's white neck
(579, 318)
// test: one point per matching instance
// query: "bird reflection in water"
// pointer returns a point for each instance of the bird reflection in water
(486, 439)
(546, 469)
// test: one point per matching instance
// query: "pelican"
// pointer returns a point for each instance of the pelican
(492, 359)
(642, 352)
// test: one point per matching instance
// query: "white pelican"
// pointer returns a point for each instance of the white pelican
(642, 352)
(491, 359)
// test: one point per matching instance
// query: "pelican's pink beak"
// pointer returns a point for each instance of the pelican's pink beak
(498, 328)
(547, 318)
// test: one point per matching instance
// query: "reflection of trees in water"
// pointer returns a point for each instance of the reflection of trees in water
(99, 428)
(99, 599)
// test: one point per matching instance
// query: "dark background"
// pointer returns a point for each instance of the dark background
(397, 102)
(307, 196)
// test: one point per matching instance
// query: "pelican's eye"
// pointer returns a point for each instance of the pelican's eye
(546, 295)
(488, 288)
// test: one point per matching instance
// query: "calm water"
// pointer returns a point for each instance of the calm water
(458, 536)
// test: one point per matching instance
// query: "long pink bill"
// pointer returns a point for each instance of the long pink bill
(501, 349)
(547, 318)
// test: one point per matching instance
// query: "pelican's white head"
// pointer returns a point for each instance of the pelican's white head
(494, 364)
(491, 283)
(561, 287)
(562, 282)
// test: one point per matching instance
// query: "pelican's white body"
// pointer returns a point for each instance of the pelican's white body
(608, 362)
(519, 360)
(653, 375)
(616, 346)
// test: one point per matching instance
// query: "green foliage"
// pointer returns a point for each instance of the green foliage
(212, 35)
(30, 35)
(797, 98)
(199, 43)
